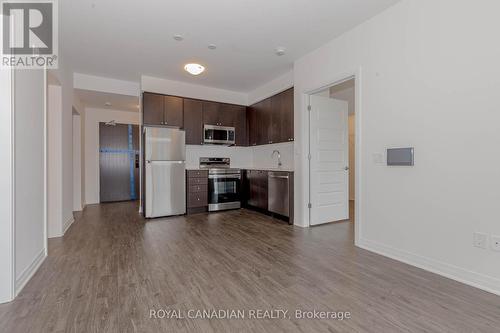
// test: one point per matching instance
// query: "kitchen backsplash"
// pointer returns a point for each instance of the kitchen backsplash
(240, 157)
(262, 156)
(243, 157)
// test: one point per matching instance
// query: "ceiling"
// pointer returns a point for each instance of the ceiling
(98, 100)
(129, 38)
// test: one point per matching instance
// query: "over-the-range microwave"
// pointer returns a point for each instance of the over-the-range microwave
(220, 135)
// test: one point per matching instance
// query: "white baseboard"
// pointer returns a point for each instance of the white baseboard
(474, 279)
(67, 224)
(29, 271)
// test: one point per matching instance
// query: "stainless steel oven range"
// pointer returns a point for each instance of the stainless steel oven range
(224, 184)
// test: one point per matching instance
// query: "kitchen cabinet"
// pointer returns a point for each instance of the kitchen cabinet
(235, 116)
(264, 123)
(271, 120)
(259, 123)
(173, 111)
(152, 106)
(196, 191)
(269, 192)
(257, 192)
(227, 115)
(220, 114)
(252, 125)
(282, 116)
(162, 110)
(211, 113)
(193, 121)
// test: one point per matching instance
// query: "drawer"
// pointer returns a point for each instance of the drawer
(197, 199)
(197, 181)
(198, 188)
(197, 173)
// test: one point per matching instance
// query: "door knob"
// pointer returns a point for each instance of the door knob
(346, 168)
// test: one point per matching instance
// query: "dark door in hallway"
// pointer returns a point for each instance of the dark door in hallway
(118, 162)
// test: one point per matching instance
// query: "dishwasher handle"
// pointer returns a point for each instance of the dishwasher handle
(282, 177)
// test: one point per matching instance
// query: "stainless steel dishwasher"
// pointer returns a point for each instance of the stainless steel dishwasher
(279, 192)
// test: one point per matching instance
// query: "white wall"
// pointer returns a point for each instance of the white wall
(65, 79)
(262, 156)
(176, 88)
(6, 189)
(77, 164)
(29, 176)
(428, 81)
(92, 119)
(104, 84)
(54, 161)
(241, 157)
(271, 88)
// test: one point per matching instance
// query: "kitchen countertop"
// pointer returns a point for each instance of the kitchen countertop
(251, 168)
(269, 169)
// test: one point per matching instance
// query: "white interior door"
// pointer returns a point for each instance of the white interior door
(329, 160)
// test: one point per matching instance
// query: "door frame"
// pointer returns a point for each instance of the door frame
(358, 179)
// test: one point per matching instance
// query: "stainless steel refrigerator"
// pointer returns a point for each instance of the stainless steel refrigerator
(165, 185)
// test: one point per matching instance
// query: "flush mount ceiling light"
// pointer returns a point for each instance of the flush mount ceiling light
(107, 104)
(212, 46)
(279, 51)
(194, 69)
(178, 37)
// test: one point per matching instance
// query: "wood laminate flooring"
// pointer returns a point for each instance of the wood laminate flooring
(112, 267)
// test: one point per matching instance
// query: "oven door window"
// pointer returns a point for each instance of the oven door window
(223, 190)
(216, 135)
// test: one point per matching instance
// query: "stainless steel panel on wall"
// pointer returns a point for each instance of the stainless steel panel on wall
(165, 188)
(165, 144)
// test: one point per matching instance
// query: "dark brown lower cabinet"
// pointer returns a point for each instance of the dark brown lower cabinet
(196, 191)
(256, 189)
(256, 181)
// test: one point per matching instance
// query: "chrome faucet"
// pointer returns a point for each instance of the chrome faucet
(279, 157)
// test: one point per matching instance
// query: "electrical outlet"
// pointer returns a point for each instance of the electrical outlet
(480, 240)
(495, 243)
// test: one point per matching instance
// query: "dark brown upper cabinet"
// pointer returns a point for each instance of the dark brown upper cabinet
(211, 113)
(264, 129)
(252, 125)
(219, 114)
(152, 106)
(162, 110)
(259, 122)
(287, 115)
(271, 120)
(193, 121)
(235, 116)
(192, 114)
(173, 111)
(282, 116)
(240, 125)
